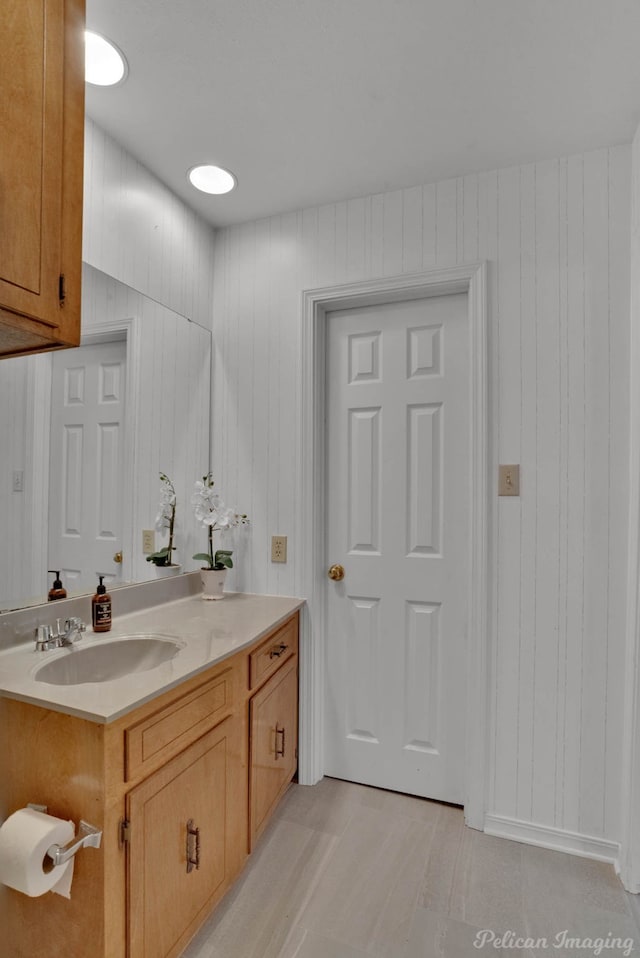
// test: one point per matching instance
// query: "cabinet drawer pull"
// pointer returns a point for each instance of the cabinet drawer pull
(280, 751)
(193, 846)
(277, 651)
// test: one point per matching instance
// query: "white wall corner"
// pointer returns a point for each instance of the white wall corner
(629, 859)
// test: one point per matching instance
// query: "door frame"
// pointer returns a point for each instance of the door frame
(316, 303)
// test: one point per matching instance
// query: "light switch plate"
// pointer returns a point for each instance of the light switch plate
(509, 480)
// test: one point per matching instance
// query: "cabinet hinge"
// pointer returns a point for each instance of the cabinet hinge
(125, 832)
(62, 292)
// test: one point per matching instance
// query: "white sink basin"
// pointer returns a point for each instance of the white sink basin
(110, 659)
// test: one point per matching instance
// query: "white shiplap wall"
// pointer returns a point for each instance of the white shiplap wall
(556, 238)
(136, 230)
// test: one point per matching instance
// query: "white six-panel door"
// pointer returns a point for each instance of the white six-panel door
(398, 521)
(86, 468)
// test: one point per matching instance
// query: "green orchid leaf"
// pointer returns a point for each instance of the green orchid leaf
(160, 557)
(203, 557)
(222, 559)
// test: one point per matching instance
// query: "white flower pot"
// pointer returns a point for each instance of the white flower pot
(213, 583)
(163, 571)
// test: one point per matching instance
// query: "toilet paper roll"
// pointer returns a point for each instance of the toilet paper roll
(25, 838)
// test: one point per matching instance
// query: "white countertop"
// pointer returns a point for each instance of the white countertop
(208, 631)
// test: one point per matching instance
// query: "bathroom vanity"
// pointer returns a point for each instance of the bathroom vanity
(181, 766)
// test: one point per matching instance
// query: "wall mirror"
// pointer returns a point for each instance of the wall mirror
(69, 487)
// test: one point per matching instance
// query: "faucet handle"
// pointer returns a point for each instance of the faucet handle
(73, 629)
(44, 638)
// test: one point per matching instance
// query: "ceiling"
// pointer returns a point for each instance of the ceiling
(313, 101)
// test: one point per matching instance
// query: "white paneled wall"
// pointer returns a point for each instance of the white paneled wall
(556, 239)
(139, 232)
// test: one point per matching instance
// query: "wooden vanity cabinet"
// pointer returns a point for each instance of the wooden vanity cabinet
(185, 807)
(192, 774)
(274, 744)
(273, 722)
(41, 171)
(182, 845)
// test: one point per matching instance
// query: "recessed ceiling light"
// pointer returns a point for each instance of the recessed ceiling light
(212, 179)
(104, 64)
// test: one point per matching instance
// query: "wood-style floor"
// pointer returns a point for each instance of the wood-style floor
(346, 871)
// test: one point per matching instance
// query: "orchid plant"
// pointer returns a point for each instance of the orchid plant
(165, 520)
(210, 510)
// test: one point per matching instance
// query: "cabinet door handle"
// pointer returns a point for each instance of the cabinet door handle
(193, 846)
(280, 751)
(277, 651)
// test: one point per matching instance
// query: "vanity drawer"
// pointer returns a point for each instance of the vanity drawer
(157, 738)
(270, 654)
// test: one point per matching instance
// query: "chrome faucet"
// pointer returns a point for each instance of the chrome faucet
(66, 635)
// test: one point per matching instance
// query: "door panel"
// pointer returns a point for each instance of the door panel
(398, 454)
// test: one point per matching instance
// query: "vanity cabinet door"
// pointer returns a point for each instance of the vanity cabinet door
(274, 744)
(41, 129)
(179, 855)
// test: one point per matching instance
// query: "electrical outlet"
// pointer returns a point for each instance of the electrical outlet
(148, 541)
(278, 548)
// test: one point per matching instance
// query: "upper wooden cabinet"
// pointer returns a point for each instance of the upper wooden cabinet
(41, 167)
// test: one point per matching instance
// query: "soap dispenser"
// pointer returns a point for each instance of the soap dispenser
(101, 608)
(57, 591)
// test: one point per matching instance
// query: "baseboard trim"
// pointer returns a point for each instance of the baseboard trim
(633, 887)
(574, 843)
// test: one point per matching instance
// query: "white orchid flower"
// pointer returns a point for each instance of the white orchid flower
(210, 510)
(162, 521)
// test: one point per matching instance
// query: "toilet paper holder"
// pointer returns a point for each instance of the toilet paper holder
(88, 837)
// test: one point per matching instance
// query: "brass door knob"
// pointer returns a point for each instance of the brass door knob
(117, 557)
(336, 572)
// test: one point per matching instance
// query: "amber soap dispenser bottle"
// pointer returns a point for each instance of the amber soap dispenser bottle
(57, 591)
(101, 609)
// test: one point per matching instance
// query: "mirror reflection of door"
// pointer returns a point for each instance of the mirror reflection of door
(86, 467)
